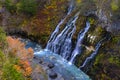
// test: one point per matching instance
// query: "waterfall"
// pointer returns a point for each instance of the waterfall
(66, 39)
(62, 44)
(77, 49)
(57, 29)
(70, 7)
(92, 55)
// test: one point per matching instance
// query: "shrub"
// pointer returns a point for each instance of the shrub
(27, 7)
(10, 73)
(10, 5)
(7, 71)
(115, 39)
(2, 38)
(78, 1)
(17, 50)
(91, 20)
(15, 61)
(114, 6)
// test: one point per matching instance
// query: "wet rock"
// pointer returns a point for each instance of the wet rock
(51, 65)
(53, 75)
(52, 58)
(40, 61)
(34, 57)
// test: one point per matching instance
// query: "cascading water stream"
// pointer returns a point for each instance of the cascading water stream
(57, 29)
(65, 38)
(70, 7)
(92, 55)
(77, 49)
(61, 42)
(67, 45)
(66, 49)
(54, 34)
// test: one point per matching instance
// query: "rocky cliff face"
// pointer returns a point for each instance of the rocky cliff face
(105, 21)
(107, 13)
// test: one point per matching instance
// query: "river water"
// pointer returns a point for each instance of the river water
(62, 67)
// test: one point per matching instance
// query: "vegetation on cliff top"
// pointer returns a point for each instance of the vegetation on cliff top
(36, 18)
(29, 7)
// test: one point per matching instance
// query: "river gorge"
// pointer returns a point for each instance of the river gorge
(71, 39)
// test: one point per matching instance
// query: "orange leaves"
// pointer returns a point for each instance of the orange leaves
(25, 66)
(30, 52)
(17, 49)
(28, 71)
(18, 68)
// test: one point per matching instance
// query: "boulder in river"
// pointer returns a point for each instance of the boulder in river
(40, 61)
(53, 75)
(51, 65)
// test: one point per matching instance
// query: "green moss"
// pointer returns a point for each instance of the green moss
(99, 29)
(115, 39)
(98, 59)
(114, 5)
(105, 77)
(111, 60)
(91, 20)
(114, 60)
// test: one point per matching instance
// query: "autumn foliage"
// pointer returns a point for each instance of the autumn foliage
(17, 48)
(24, 56)
(43, 23)
(24, 67)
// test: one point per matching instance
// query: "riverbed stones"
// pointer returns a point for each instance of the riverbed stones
(40, 61)
(34, 57)
(52, 58)
(53, 75)
(51, 65)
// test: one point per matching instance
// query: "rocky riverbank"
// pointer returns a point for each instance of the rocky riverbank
(57, 68)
